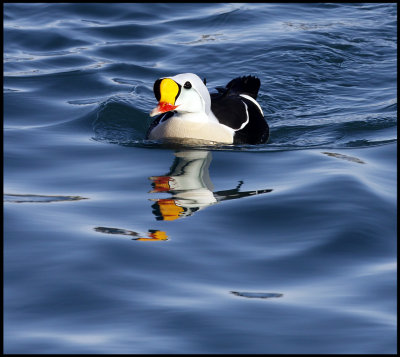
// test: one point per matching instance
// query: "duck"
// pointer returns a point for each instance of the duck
(187, 111)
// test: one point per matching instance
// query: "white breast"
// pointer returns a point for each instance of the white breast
(189, 127)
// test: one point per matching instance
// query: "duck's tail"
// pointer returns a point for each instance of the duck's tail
(244, 85)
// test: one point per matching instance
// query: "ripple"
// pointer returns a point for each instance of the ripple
(344, 157)
(203, 39)
(87, 101)
(11, 90)
(252, 295)
(29, 198)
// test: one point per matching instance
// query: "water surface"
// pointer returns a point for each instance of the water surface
(116, 244)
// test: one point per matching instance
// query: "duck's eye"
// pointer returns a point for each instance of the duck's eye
(187, 85)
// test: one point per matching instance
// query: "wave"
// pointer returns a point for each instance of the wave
(119, 122)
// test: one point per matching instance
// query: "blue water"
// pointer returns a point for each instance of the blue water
(115, 244)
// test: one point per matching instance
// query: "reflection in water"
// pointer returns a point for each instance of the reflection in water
(257, 295)
(152, 234)
(188, 181)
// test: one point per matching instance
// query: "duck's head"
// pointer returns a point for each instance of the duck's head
(185, 93)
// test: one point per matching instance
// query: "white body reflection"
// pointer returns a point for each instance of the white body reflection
(190, 185)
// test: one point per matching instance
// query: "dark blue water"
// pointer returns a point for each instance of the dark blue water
(114, 244)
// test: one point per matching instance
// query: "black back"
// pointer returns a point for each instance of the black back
(227, 105)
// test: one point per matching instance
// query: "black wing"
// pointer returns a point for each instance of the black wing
(233, 110)
(229, 110)
(256, 131)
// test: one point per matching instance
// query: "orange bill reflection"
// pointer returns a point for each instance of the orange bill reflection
(189, 184)
(152, 234)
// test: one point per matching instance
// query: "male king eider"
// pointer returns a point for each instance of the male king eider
(186, 110)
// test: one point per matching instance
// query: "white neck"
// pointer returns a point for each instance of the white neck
(197, 117)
